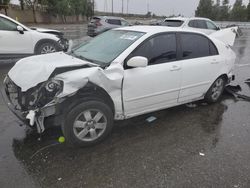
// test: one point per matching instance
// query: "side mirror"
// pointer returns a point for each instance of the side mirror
(20, 29)
(217, 28)
(138, 61)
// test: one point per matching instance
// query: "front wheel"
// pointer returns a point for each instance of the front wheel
(88, 123)
(215, 91)
(46, 48)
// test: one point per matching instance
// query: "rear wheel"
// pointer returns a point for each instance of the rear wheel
(88, 123)
(215, 91)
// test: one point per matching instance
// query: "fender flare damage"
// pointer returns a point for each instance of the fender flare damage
(59, 107)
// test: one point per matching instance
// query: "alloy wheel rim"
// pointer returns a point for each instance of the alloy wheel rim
(89, 125)
(48, 49)
(217, 89)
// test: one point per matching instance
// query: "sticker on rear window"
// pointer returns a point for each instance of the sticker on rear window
(128, 37)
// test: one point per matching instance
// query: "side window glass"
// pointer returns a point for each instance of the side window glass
(211, 26)
(114, 21)
(201, 24)
(6, 25)
(159, 49)
(212, 48)
(194, 46)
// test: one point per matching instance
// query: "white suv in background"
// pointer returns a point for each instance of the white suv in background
(203, 25)
(17, 40)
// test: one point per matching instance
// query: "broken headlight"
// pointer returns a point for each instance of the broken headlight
(44, 94)
(53, 86)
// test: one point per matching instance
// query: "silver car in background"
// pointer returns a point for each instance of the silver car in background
(100, 24)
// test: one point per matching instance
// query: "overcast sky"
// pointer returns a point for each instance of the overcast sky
(159, 7)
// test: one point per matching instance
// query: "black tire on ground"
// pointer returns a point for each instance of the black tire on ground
(215, 92)
(47, 47)
(83, 121)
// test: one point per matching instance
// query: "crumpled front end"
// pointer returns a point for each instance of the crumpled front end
(54, 82)
(33, 105)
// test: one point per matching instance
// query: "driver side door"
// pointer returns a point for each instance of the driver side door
(12, 41)
(157, 85)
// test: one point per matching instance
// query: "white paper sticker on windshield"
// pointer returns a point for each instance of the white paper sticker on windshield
(128, 37)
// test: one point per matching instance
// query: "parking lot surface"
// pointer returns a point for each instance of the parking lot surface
(197, 146)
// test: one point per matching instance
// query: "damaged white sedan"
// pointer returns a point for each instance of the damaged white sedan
(120, 74)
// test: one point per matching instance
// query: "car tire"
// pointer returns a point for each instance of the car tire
(46, 47)
(88, 123)
(214, 93)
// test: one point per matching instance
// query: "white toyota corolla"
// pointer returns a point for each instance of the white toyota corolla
(120, 74)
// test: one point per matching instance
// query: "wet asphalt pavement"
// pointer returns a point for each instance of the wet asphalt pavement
(205, 146)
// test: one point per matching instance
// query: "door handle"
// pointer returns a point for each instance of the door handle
(175, 68)
(214, 61)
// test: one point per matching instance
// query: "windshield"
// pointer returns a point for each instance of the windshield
(173, 23)
(104, 48)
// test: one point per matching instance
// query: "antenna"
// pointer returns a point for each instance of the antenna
(122, 6)
(147, 6)
(105, 6)
(112, 1)
(127, 5)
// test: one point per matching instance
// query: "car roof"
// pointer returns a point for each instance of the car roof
(3, 15)
(108, 17)
(156, 29)
(186, 18)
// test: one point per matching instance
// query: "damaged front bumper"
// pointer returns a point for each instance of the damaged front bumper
(32, 117)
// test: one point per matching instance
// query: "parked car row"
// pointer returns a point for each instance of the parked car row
(104, 23)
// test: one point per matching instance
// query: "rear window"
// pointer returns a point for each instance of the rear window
(173, 23)
(198, 24)
(113, 21)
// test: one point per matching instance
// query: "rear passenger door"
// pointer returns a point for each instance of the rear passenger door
(200, 65)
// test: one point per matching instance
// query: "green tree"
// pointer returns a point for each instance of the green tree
(32, 4)
(4, 5)
(248, 11)
(224, 14)
(59, 7)
(216, 11)
(205, 9)
(21, 4)
(238, 12)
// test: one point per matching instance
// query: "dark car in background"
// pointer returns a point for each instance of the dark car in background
(100, 24)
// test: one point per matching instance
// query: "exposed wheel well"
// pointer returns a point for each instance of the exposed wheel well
(89, 92)
(224, 76)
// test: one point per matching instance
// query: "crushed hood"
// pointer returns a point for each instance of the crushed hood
(29, 72)
(44, 30)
